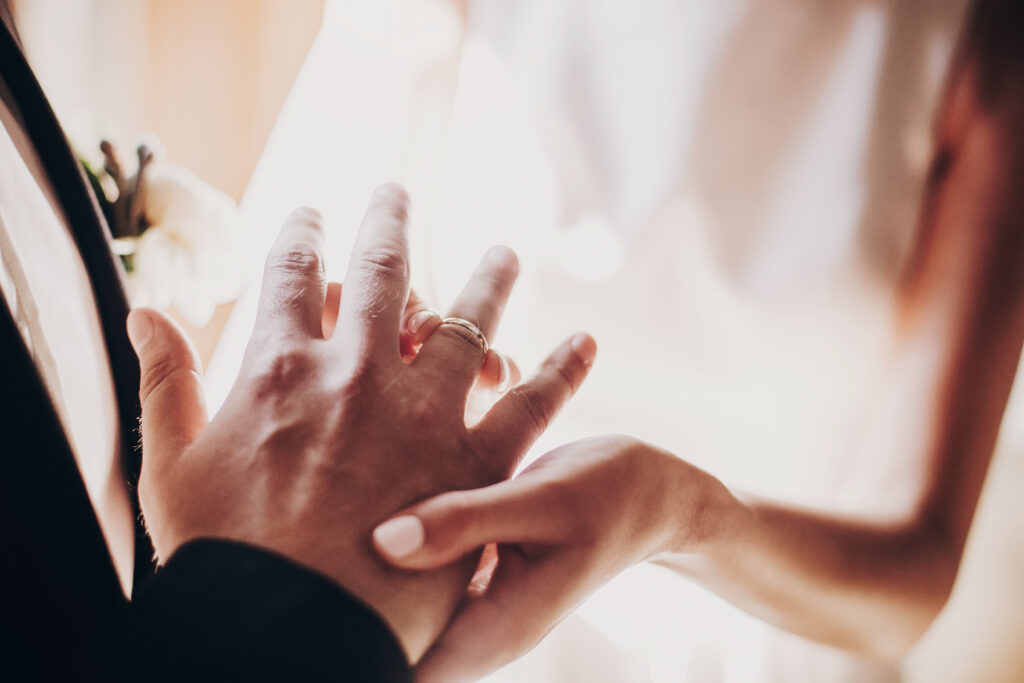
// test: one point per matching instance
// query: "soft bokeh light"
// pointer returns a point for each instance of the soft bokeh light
(754, 374)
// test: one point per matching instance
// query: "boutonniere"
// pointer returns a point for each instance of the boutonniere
(177, 236)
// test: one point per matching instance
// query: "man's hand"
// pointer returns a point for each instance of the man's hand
(323, 436)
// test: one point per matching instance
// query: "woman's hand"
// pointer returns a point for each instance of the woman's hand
(328, 430)
(566, 525)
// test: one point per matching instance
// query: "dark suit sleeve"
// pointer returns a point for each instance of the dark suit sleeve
(226, 611)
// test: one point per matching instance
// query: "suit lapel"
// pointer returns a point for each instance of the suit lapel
(51, 534)
(8, 21)
(91, 237)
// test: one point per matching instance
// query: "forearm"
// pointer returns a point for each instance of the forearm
(871, 588)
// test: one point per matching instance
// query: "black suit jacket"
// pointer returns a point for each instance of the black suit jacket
(217, 610)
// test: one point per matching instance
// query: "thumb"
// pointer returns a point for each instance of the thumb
(444, 528)
(170, 388)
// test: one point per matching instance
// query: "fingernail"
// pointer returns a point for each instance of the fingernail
(399, 537)
(585, 348)
(140, 328)
(417, 320)
(504, 375)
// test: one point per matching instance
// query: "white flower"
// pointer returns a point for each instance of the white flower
(187, 257)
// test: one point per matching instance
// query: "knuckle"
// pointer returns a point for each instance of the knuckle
(561, 375)
(423, 413)
(283, 370)
(634, 450)
(161, 371)
(384, 261)
(298, 259)
(153, 375)
(357, 383)
(532, 406)
(360, 371)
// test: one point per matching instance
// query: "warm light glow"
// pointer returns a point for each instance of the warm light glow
(739, 326)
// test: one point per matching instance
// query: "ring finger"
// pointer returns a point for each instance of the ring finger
(453, 354)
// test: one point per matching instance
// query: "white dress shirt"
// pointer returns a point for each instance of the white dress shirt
(46, 286)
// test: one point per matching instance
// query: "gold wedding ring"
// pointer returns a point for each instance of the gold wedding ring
(473, 330)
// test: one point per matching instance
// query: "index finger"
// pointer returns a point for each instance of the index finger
(377, 282)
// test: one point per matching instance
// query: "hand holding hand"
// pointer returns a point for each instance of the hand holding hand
(327, 431)
(571, 521)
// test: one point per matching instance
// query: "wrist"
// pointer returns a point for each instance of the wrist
(702, 515)
(415, 605)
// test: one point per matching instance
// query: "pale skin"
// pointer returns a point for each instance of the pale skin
(871, 585)
(336, 422)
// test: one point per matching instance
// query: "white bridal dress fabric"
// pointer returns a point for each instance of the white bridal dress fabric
(720, 191)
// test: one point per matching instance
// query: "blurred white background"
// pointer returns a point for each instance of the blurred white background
(720, 191)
